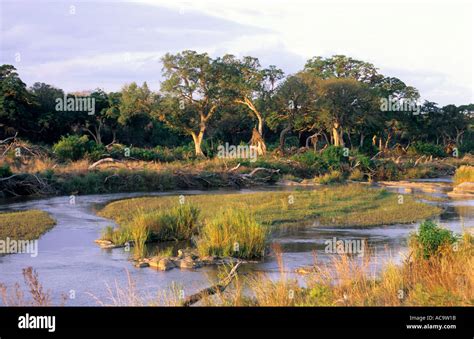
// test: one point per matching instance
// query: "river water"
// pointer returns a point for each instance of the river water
(70, 263)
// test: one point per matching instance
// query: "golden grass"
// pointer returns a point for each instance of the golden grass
(446, 279)
(232, 233)
(464, 174)
(25, 225)
(344, 205)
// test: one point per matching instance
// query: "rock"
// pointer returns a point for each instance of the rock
(142, 264)
(463, 190)
(187, 263)
(163, 264)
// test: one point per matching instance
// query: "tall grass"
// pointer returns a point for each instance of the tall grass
(464, 174)
(178, 223)
(233, 233)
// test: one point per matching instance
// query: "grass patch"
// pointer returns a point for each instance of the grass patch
(177, 223)
(233, 233)
(343, 205)
(25, 225)
(464, 174)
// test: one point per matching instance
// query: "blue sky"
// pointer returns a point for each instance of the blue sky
(82, 45)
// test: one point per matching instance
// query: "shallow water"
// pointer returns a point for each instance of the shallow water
(70, 261)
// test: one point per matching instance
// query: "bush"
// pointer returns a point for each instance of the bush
(464, 174)
(308, 158)
(430, 238)
(71, 147)
(356, 175)
(424, 148)
(233, 233)
(386, 170)
(5, 171)
(333, 157)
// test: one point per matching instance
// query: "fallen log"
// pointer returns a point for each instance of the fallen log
(218, 288)
(102, 161)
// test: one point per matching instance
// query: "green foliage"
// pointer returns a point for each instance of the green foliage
(5, 171)
(72, 147)
(430, 238)
(425, 148)
(386, 170)
(333, 157)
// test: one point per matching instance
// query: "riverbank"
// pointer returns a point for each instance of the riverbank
(25, 225)
(38, 177)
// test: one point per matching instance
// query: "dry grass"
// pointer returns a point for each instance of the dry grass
(35, 291)
(464, 174)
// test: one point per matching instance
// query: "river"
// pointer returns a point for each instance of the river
(69, 262)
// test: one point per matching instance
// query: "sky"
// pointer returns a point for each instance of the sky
(83, 45)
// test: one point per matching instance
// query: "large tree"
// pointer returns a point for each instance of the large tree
(15, 104)
(192, 94)
(246, 83)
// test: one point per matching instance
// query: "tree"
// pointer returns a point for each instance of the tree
(246, 83)
(192, 94)
(50, 123)
(15, 103)
(138, 105)
(341, 66)
(294, 105)
(341, 103)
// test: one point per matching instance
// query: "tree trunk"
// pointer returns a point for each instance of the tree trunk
(362, 140)
(247, 102)
(197, 138)
(283, 134)
(337, 135)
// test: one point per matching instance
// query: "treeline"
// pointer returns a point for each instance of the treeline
(333, 101)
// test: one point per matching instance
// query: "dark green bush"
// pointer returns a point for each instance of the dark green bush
(333, 157)
(5, 171)
(430, 238)
(71, 147)
(424, 148)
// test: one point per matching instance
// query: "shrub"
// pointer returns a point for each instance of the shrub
(71, 147)
(330, 178)
(5, 171)
(333, 157)
(356, 175)
(464, 174)
(233, 233)
(424, 148)
(430, 238)
(386, 170)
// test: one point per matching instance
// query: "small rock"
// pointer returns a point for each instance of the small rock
(142, 264)
(163, 264)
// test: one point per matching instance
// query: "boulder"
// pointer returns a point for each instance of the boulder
(163, 264)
